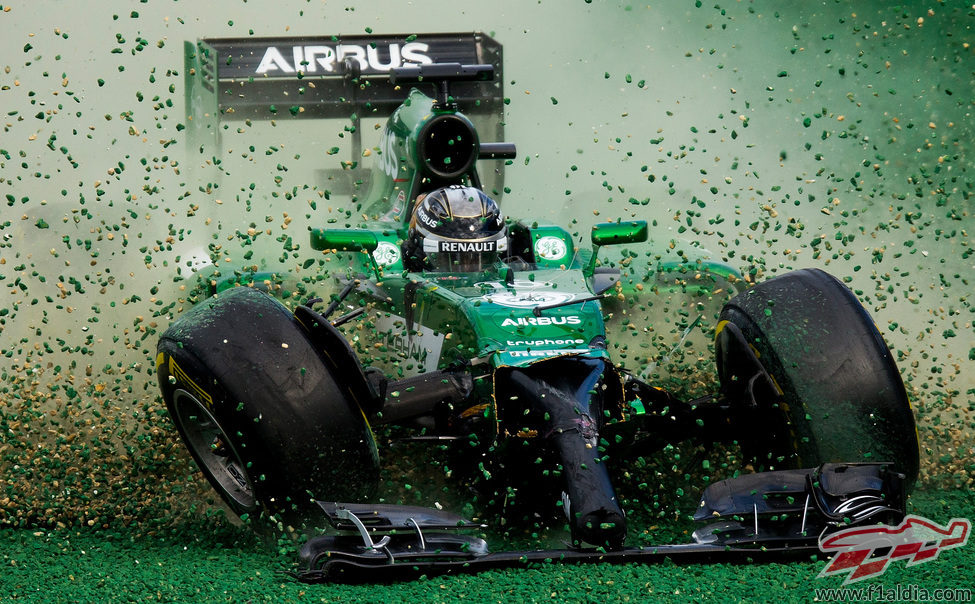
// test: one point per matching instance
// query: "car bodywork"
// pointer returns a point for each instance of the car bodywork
(517, 356)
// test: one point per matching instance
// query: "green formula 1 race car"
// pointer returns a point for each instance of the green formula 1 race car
(457, 327)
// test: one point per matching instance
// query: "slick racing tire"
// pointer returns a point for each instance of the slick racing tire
(262, 410)
(841, 397)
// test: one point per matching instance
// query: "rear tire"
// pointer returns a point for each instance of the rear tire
(842, 398)
(261, 410)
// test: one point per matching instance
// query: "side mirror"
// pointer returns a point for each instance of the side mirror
(610, 233)
(347, 240)
(344, 240)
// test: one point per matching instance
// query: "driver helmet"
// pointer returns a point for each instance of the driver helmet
(455, 229)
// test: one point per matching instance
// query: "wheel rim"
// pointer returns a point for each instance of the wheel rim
(213, 449)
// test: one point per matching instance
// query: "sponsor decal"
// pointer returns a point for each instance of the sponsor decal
(540, 321)
(180, 376)
(238, 477)
(523, 294)
(386, 253)
(530, 354)
(862, 552)
(397, 208)
(431, 244)
(328, 55)
(467, 246)
(389, 154)
(425, 219)
(546, 342)
(324, 59)
(527, 299)
(406, 346)
(550, 248)
(410, 341)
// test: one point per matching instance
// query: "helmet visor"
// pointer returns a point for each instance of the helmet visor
(457, 262)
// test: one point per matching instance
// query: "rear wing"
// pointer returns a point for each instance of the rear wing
(284, 78)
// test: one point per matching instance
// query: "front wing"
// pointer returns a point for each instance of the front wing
(766, 517)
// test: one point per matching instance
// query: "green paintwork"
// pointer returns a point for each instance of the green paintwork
(630, 231)
(552, 246)
(487, 316)
(398, 176)
(419, 322)
(344, 240)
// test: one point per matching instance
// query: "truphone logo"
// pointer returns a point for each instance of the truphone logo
(862, 552)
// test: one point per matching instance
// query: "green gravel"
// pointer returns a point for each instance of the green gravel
(229, 566)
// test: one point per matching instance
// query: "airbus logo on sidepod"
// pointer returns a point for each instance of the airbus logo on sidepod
(540, 321)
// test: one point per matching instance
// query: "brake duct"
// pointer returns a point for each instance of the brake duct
(565, 393)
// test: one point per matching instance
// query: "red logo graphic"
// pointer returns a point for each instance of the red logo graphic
(866, 551)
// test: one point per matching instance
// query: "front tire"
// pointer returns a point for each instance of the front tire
(261, 410)
(841, 396)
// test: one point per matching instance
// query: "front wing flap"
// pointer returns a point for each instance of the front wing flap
(766, 517)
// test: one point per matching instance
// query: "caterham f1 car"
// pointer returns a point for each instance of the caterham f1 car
(458, 326)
